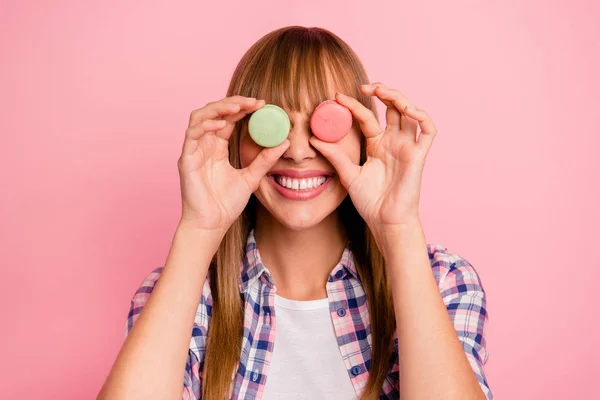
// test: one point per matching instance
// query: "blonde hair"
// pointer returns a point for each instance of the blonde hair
(282, 67)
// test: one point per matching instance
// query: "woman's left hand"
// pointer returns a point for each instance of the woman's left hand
(385, 189)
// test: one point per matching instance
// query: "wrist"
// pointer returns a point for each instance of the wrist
(201, 241)
(390, 238)
(191, 226)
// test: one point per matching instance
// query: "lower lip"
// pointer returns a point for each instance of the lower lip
(305, 194)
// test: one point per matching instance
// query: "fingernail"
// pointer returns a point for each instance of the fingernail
(339, 94)
(410, 108)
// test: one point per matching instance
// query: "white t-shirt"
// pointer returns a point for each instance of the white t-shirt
(306, 362)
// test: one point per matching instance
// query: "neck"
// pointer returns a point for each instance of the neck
(299, 261)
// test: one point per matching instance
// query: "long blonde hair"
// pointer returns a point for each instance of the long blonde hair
(281, 67)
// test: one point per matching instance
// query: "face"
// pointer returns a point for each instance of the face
(302, 188)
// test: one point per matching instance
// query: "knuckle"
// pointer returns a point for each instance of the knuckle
(189, 131)
(236, 98)
(196, 114)
(427, 117)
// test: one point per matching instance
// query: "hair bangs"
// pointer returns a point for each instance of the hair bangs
(303, 68)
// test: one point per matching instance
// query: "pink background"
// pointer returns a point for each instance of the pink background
(95, 99)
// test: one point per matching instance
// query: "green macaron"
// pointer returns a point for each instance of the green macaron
(269, 126)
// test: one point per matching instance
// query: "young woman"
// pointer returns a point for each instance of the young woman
(326, 292)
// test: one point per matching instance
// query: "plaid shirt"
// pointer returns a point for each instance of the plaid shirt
(458, 282)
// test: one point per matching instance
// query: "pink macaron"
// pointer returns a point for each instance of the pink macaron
(331, 121)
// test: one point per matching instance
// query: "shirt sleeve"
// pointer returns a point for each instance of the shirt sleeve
(191, 378)
(465, 300)
(140, 298)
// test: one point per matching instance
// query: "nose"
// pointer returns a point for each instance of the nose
(300, 148)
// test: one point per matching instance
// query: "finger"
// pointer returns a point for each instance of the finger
(216, 109)
(258, 168)
(345, 167)
(192, 134)
(365, 117)
(210, 125)
(399, 101)
(428, 129)
(392, 115)
(225, 132)
(245, 109)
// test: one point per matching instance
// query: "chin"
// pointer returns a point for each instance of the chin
(298, 221)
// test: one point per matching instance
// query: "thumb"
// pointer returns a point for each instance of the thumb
(345, 167)
(268, 156)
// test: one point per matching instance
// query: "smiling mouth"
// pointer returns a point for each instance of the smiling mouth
(303, 184)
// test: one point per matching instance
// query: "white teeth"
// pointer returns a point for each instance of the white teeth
(300, 184)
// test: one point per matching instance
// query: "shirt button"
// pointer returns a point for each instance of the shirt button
(341, 312)
(255, 375)
(355, 370)
(339, 274)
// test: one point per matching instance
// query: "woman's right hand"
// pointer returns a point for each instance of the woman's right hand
(213, 192)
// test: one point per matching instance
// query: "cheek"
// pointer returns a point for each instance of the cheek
(248, 150)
